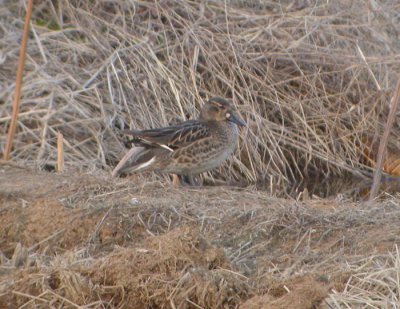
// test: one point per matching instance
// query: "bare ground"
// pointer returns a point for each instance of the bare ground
(88, 241)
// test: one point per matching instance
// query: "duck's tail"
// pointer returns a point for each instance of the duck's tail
(137, 159)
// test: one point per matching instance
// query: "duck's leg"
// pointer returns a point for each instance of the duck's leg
(187, 180)
(193, 181)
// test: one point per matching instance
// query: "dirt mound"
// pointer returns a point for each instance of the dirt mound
(178, 269)
(298, 293)
(97, 242)
(39, 210)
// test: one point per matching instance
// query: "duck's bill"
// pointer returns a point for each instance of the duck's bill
(236, 119)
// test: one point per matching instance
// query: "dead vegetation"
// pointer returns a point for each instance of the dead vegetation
(375, 284)
(101, 243)
(312, 79)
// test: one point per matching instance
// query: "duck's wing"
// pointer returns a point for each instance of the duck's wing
(172, 137)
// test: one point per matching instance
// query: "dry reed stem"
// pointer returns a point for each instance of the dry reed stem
(60, 152)
(383, 142)
(18, 82)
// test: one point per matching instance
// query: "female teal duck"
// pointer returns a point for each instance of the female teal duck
(189, 148)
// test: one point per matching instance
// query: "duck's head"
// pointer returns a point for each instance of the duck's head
(219, 109)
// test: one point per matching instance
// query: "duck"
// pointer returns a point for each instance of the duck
(189, 148)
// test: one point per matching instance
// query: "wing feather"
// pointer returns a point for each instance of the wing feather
(172, 137)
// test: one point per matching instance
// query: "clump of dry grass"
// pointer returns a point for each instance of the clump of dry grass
(179, 270)
(374, 284)
(310, 80)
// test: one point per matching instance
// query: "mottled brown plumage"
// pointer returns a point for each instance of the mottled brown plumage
(188, 148)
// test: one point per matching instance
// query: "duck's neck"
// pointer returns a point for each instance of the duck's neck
(226, 130)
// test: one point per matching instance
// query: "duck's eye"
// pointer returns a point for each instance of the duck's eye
(228, 115)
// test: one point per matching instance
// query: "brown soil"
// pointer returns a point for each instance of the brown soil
(88, 240)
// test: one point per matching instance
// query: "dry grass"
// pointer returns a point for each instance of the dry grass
(375, 284)
(85, 241)
(312, 80)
